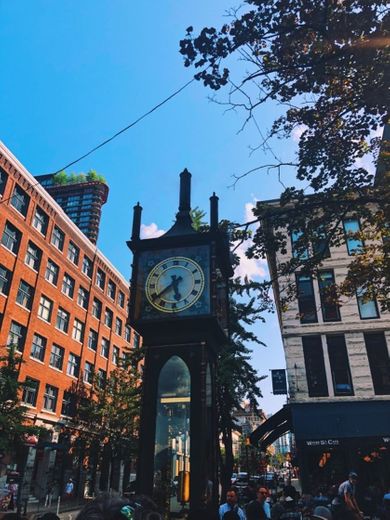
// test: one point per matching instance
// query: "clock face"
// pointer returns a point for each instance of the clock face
(174, 284)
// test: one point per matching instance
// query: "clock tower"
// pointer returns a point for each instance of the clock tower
(179, 304)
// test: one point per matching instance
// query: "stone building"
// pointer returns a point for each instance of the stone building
(338, 370)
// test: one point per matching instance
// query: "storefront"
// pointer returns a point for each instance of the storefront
(335, 438)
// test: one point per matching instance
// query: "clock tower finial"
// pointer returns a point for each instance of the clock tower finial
(183, 223)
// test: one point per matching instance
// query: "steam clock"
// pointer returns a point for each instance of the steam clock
(179, 304)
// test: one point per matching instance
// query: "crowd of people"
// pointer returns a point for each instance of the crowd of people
(337, 503)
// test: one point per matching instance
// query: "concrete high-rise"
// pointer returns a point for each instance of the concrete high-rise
(81, 198)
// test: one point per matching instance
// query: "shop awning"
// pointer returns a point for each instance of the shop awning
(342, 420)
(273, 428)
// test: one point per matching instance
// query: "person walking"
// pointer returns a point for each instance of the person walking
(255, 510)
(69, 488)
(347, 493)
(230, 510)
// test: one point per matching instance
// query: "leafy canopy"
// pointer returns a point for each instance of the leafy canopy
(327, 62)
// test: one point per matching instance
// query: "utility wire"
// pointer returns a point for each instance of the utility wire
(146, 114)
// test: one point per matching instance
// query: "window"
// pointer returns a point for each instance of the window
(92, 340)
(352, 229)
(100, 279)
(118, 326)
(68, 407)
(121, 299)
(339, 364)
(105, 347)
(73, 253)
(136, 340)
(96, 308)
(115, 355)
(40, 221)
(306, 299)
(5, 280)
(101, 378)
(3, 180)
(56, 357)
(51, 273)
(87, 267)
(62, 321)
(78, 330)
(38, 347)
(16, 336)
(73, 368)
(83, 297)
(320, 244)
(11, 238)
(33, 256)
(315, 367)
(88, 372)
(368, 308)
(378, 357)
(45, 308)
(329, 305)
(111, 289)
(30, 391)
(58, 238)
(68, 285)
(298, 245)
(108, 316)
(20, 200)
(127, 333)
(50, 398)
(25, 294)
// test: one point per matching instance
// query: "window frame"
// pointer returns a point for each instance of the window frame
(336, 353)
(78, 330)
(11, 235)
(52, 272)
(20, 201)
(38, 347)
(63, 317)
(73, 365)
(25, 295)
(33, 256)
(73, 254)
(5, 280)
(50, 398)
(68, 285)
(360, 304)
(40, 221)
(304, 299)
(359, 249)
(20, 334)
(317, 358)
(58, 238)
(44, 309)
(30, 391)
(57, 358)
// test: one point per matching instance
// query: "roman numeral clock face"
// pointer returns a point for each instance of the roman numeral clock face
(174, 284)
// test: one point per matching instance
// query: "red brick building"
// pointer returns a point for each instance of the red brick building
(62, 303)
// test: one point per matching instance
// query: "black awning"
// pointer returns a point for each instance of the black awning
(342, 420)
(273, 428)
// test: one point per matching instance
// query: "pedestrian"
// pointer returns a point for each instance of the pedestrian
(347, 493)
(49, 516)
(69, 488)
(290, 512)
(115, 508)
(230, 510)
(255, 510)
(49, 495)
(321, 513)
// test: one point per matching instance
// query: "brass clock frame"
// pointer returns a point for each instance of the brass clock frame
(190, 267)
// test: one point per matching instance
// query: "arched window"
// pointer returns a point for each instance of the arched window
(172, 440)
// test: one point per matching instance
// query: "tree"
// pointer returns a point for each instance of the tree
(236, 378)
(107, 416)
(13, 421)
(327, 62)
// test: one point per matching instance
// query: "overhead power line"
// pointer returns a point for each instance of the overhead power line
(138, 120)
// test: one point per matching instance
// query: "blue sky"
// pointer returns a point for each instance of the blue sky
(74, 73)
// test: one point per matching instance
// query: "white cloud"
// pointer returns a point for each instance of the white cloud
(249, 267)
(297, 132)
(151, 231)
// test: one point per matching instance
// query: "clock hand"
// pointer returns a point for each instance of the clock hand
(173, 285)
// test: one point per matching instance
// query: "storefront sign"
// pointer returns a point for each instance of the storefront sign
(279, 383)
(323, 443)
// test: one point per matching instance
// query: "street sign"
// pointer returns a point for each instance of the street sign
(279, 383)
